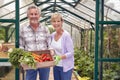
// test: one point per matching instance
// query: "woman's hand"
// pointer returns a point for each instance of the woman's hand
(63, 57)
(57, 59)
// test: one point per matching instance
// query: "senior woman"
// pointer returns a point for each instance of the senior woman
(62, 44)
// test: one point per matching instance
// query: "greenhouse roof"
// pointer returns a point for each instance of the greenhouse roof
(78, 13)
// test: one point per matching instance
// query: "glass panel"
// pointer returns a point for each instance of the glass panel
(112, 10)
(7, 9)
(111, 71)
(111, 44)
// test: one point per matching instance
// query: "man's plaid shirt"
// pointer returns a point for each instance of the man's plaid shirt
(34, 41)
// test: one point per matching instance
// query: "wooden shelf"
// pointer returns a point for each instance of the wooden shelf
(3, 55)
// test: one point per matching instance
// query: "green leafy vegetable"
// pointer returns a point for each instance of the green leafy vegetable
(18, 56)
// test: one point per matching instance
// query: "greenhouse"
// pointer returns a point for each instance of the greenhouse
(92, 24)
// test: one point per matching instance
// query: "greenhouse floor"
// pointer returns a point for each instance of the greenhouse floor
(10, 76)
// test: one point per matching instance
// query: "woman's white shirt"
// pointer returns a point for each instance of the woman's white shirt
(56, 45)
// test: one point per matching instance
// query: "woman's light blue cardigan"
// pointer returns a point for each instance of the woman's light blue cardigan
(67, 49)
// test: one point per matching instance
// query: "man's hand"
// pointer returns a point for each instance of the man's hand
(52, 52)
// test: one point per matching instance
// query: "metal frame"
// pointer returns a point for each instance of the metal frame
(99, 37)
(16, 22)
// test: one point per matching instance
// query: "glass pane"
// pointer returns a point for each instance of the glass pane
(111, 40)
(111, 71)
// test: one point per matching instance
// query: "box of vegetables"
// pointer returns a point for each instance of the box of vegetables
(42, 58)
(31, 60)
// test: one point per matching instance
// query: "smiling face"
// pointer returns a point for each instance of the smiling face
(57, 21)
(33, 15)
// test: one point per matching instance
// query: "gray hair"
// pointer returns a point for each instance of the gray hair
(34, 7)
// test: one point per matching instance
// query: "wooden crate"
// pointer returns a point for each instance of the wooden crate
(40, 64)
